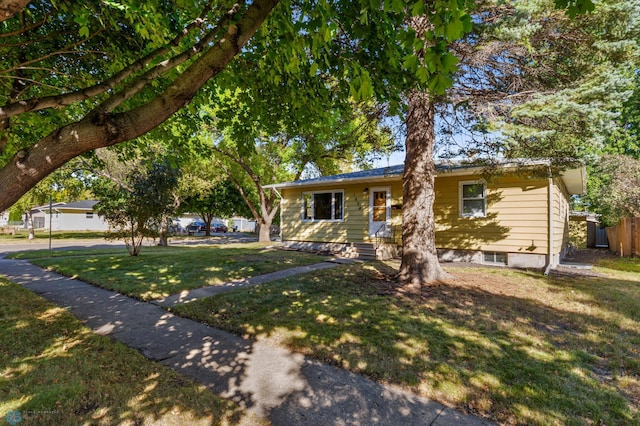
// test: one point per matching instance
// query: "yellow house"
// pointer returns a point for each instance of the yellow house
(517, 219)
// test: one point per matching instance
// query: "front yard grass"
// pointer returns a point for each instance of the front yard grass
(515, 347)
(23, 234)
(162, 271)
(55, 371)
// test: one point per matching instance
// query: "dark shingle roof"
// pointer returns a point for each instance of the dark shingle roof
(362, 174)
(574, 179)
(372, 174)
(84, 204)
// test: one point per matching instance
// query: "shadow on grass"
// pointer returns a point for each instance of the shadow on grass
(54, 371)
(163, 272)
(269, 380)
(515, 359)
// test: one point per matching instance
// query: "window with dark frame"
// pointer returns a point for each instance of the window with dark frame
(495, 257)
(322, 206)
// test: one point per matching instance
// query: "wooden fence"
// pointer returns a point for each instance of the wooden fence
(624, 238)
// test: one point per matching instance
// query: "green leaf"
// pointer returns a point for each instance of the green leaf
(314, 69)
(454, 30)
(423, 74)
(575, 7)
(418, 8)
(366, 89)
(411, 63)
(364, 17)
(449, 63)
(439, 84)
(354, 87)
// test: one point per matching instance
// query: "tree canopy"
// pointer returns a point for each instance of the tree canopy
(84, 75)
(615, 193)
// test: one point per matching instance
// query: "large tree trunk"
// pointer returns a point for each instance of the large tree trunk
(419, 256)
(264, 230)
(207, 218)
(163, 240)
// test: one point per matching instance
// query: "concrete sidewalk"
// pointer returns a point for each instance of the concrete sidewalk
(287, 388)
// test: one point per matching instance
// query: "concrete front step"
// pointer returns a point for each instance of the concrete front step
(365, 251)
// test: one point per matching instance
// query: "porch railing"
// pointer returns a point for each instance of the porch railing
(386, 233)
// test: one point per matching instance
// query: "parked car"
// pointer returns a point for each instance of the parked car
(219, 227)
(196, 226)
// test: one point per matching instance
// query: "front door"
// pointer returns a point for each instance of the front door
(379, 212)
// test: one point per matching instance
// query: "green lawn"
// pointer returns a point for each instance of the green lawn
(23, 234)
(55, 371)
(162, 271)
(514, 347)
(511, 346)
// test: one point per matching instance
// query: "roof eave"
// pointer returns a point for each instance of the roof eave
(575, 180)
(304, 184)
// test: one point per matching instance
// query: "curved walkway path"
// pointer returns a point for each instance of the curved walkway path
(285, 387)
(198, 293)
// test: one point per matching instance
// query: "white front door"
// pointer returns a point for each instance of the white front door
(379, 212)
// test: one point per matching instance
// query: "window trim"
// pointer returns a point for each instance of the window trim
(375, 228)
(495, 254)
(333, 206)
(461, 200)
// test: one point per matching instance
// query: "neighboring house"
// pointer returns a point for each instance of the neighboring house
(37, 217)
(185, 220)
(77, 216)
(515, 219)
(586, 231)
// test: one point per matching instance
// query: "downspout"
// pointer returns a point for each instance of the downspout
(550, 248)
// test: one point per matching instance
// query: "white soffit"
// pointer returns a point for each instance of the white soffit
(575, 180)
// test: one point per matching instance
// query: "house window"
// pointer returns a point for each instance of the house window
(379, 206)
(495, 257)
(89, 215)
(473, 197)
(322, 206)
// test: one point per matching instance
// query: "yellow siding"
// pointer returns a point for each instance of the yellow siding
(560, 216)
(353, 228)
(516, 221)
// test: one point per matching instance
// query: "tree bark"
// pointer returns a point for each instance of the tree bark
(100, 129)
(8, 8)
(268, 206)
(163, 237)
(208, 218)
(30, 225)
(264, 231)
(419, 256)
